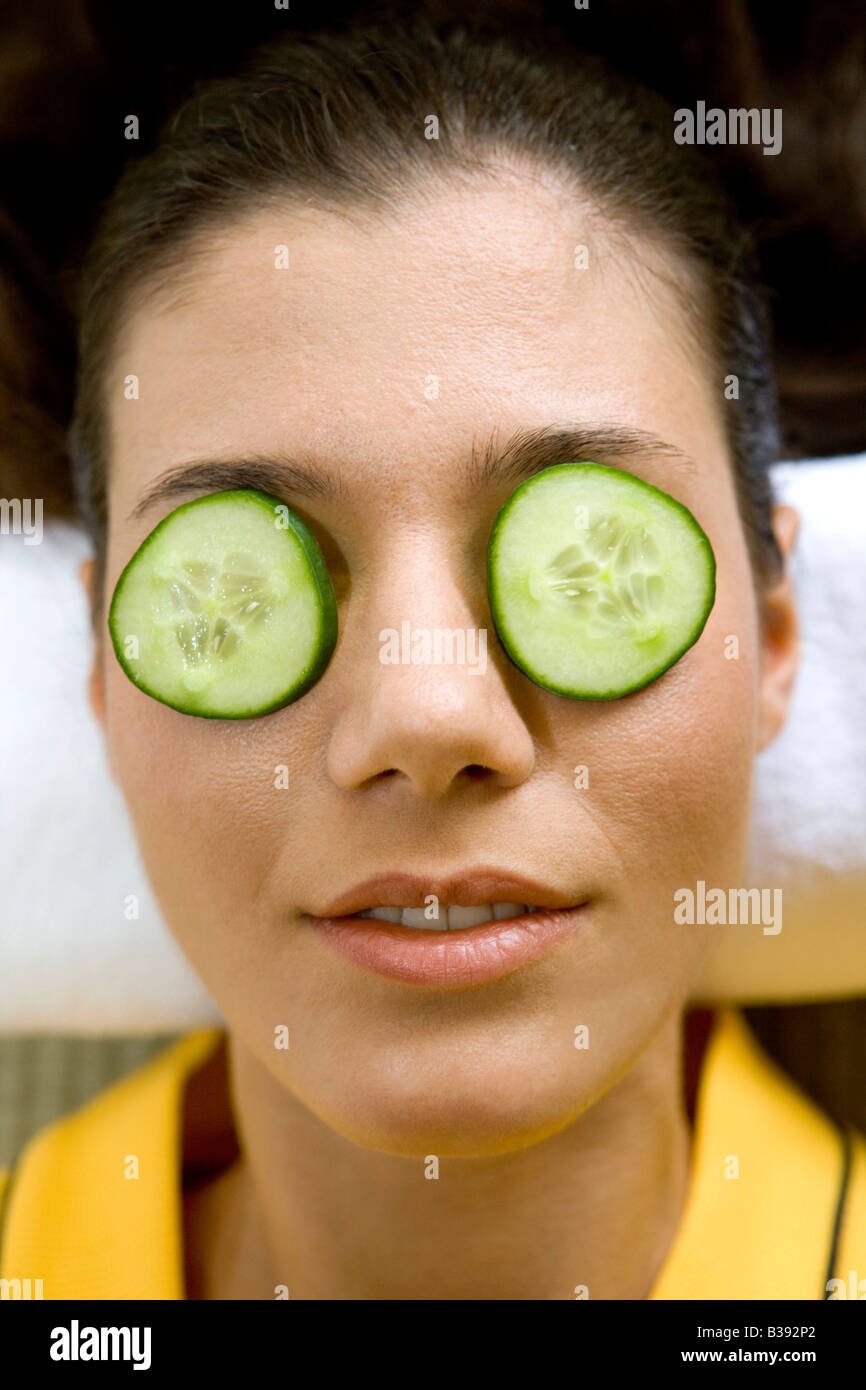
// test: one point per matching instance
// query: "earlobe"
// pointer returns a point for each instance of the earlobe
(780, 636)
(96, 686)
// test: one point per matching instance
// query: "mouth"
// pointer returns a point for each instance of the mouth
(445, 934)
(440, 917)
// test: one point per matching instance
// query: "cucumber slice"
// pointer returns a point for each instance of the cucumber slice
(226, 610)
(598, 581)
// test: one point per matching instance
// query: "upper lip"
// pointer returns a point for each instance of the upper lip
(471, 888)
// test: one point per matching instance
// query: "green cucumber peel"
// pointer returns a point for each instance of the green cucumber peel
(598, 581)
(226, 610)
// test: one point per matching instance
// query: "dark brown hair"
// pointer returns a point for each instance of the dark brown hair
(341, 118)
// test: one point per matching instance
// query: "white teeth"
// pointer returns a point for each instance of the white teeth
(448, 918)
(385, 914)
(415, 917)
(461, 917)
(503, 910)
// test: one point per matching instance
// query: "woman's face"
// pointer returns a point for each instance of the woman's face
(378, 359)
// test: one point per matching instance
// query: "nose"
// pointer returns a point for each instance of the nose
(425, 696)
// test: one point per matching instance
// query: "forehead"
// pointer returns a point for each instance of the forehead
(497, 302)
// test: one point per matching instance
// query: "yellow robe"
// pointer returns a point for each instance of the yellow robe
(776, 1206)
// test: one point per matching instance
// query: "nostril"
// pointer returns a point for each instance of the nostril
(476, 772)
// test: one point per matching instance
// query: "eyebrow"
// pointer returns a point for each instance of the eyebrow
(492, 462)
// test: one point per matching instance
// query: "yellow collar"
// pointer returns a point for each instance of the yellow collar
(765, 1182)
(76, 1220)
(758, 1220)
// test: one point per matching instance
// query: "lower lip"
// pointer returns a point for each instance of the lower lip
(448, 959)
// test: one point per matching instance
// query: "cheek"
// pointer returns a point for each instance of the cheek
(706, 736)
(669, 772)
(211, 802)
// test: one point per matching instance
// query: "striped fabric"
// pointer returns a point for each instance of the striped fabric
(42, 1078)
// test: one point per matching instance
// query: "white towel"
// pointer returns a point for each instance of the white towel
(808, 832)
(71, 961)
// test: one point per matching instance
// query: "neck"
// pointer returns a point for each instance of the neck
(594, 1207)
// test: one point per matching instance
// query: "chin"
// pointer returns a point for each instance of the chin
(495, 1111)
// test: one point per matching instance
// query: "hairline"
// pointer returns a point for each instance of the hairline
(169, 273)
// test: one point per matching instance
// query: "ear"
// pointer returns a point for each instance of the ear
(780, 645)
(86, 573)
